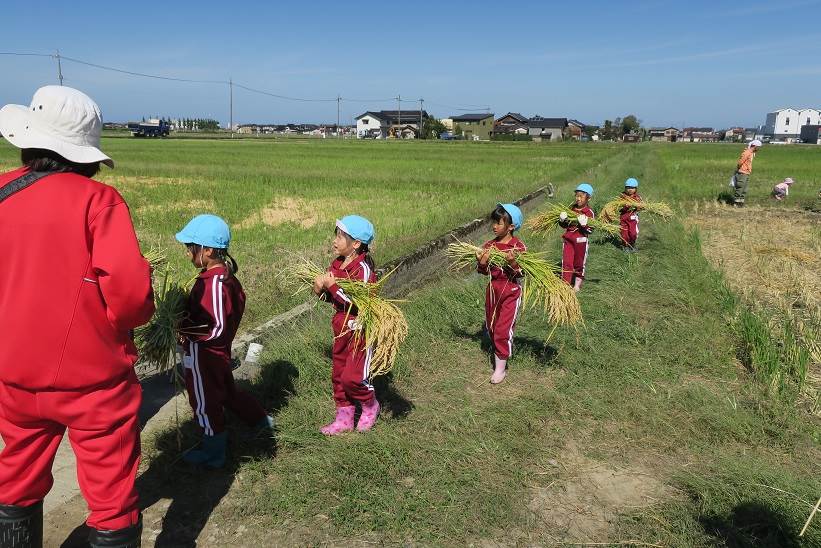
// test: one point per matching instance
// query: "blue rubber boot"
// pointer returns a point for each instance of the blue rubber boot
(210, 453)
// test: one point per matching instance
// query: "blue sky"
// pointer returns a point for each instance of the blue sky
(698, 63)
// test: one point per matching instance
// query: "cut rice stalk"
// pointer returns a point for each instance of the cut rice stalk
(541, 285)
(548, 220)
(612, 209)
(379, 320)
(157, 340)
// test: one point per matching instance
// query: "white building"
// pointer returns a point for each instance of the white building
(785, 124)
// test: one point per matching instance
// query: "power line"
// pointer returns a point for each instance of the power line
(285, 97)
(143, 74)
(20, 54)
(58, 57)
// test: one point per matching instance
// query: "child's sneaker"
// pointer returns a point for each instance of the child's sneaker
(370, 411)
(342, 423)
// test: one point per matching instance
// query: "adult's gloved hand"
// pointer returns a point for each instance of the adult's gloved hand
(563, 216)
(582, 220)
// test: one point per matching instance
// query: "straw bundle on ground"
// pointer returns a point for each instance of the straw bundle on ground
(379, 320)
(541, 286)
(548, 220)
(612, 209)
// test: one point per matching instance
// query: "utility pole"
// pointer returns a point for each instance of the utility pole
(421, 126)
(59, 68)
(399, 104)
(338, 99)
(231, 108)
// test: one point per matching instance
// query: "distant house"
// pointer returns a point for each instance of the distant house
(734, 135)
(473, 126)
(785, 124)
(699, 135)
(546, 129)
(631, 138)
(664, 134)
(575, 129)
(811, 134)
(511, 123)
(382, 124)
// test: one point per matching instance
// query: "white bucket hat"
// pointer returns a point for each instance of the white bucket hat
(60, 119)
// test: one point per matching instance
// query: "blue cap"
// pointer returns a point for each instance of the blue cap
(631, 183)
(358, 228)
(207, 231)
(585, 187)
(514, 212)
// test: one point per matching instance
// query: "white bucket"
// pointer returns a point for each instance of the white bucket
(254, 352)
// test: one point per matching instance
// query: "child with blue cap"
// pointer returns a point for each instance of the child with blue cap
(629, 215)
(503, 295)
(575, 237)
(351, 358)
(213, 313)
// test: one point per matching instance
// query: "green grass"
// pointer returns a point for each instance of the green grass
(411, 191)
(651, 386)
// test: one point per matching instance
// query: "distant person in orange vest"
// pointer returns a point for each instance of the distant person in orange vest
(741, 179)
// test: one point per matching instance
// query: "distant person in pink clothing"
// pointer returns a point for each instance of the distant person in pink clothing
(782, 189)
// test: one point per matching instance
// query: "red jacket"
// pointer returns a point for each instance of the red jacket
(76, 288)
(215, 308)
(571, 229)
(506, 274)
(357, 269)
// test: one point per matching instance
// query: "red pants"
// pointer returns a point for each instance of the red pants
(211, 388)
(104, 432)
(351, 364)
(502, 301)
(629, 223)
(574, 257)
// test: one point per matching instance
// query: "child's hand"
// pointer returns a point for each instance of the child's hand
(329, 280)
(483, 256)
(510, 256)
(563, 216)
(582, 220)
(319, 284)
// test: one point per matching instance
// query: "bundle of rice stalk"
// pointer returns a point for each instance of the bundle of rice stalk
(548, 220)
(156, 258)
(541, 286)
(157, 340)
(612, 209)
(379, 320)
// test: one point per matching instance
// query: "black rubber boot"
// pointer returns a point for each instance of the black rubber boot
(21, 526)
(118, 538)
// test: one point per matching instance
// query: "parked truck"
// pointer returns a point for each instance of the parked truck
(151, 128)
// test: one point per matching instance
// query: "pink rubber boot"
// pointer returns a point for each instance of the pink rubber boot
(370, 410)
(342, 423)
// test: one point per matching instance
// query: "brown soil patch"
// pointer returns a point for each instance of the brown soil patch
(281, 211)
(140, 180)
(192, 205)
(590, 495)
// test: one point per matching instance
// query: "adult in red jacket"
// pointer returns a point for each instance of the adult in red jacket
(75, 288)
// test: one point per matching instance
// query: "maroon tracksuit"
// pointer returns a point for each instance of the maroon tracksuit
(215, 308)
(351, 358)
(503, 297)
(629, 221)
(574, 252)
